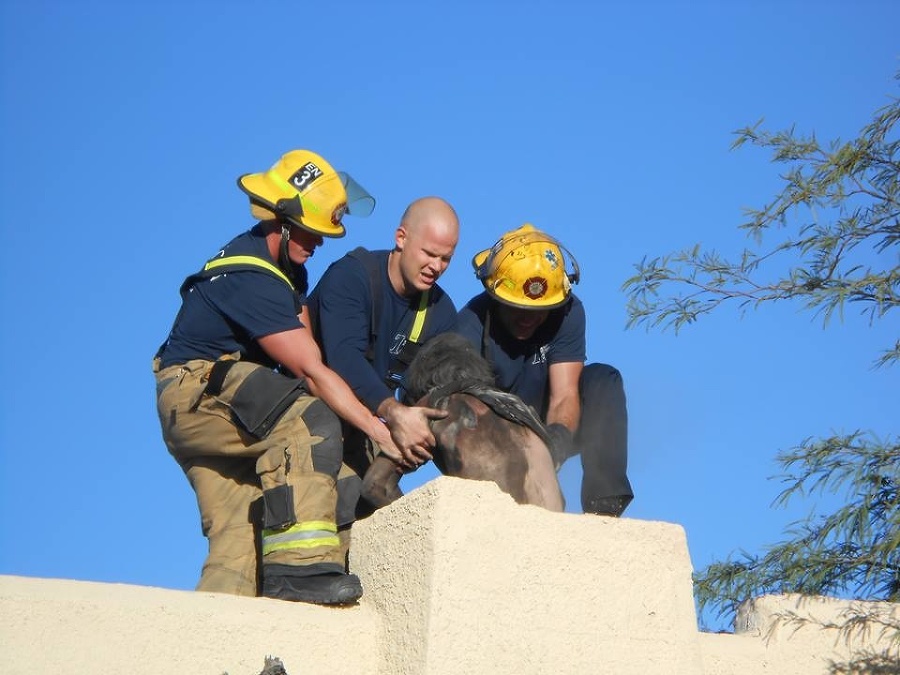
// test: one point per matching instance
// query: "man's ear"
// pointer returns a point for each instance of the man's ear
(400, 238)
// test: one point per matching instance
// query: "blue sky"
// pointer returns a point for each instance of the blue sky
(124, 126)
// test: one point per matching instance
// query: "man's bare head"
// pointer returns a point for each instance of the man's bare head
(433, 214)
(424, 243)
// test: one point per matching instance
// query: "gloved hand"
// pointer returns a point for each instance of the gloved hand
(562, 444)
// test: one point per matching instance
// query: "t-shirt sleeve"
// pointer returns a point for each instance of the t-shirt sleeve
(569, 343)
(343, 321)
(259, 303)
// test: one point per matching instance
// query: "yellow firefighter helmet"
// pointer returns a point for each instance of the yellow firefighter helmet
(526, 268)
(304, 190)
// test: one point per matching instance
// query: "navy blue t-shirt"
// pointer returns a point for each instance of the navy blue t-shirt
(522, 367)
(341, 304)
(228, 312)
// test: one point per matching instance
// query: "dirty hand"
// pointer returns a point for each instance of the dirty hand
(387, 447)
(411, 430)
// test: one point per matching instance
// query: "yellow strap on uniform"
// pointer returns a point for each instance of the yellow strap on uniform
(309, 534)
(248, 260)
(419, 321)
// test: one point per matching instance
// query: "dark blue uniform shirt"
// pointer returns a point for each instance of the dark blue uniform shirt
(522, 367)
(342, 304)
(228, 311)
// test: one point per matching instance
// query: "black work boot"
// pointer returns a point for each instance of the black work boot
(608, 506)
(319, 584)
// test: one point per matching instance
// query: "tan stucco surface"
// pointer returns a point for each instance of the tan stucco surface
(490, 586)
(76, 627)
(458, 579)
(790, 635)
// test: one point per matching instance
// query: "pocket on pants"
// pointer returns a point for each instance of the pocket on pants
(257, 396)
(271, 467)
(262, 398)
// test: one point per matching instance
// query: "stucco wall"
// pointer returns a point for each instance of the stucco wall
(482, 585)
(458, 579)
(787, 635)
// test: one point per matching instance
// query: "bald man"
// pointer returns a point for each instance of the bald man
(371, 310)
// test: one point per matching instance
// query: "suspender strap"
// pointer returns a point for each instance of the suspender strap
(485, 336)
(373, 272)
(237, 262)
(419, 321)
(370, 263)
(217, 376)
(233, 262)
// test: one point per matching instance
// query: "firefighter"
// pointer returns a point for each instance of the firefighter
(372, 310)
(249, 410)
(531, 327)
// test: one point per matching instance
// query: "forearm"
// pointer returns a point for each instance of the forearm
(337, 395)
(298, 352)
(563, 416)
(564, 406)
(565, 411)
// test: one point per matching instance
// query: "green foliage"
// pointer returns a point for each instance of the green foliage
(859, 626)
(846, 200)
(853, 551)
(837, 219)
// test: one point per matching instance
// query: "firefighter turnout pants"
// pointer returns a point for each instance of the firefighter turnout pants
(272, 499)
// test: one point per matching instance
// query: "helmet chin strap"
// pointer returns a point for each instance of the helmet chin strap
(284, 260)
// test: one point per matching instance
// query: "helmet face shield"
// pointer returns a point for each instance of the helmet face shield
(359, 202)
(526, 268)
(304, 190)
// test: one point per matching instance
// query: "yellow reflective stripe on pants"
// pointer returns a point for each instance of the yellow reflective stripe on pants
(302, 535)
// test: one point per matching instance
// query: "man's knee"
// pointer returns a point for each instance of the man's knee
(602, 394)
(600, 376)
(328, 451)
(225, 488)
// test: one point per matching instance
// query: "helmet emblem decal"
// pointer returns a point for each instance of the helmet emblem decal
(535, 287)
(304, 176)
(550, 255)
(338, 213)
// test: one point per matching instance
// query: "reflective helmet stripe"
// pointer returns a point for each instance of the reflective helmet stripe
(276, 177)
(310, 534)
